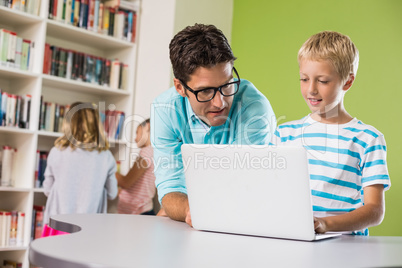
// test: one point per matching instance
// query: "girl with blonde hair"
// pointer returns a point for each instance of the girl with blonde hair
(80, 172)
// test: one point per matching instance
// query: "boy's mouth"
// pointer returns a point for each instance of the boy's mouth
(314, 101)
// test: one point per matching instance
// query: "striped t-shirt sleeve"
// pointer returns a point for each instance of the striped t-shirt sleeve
(374, 167)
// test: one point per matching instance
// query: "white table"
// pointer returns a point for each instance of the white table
(111, 240)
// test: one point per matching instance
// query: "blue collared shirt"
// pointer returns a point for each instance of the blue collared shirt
(251, 120)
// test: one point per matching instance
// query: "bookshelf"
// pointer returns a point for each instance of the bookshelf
(41, 30)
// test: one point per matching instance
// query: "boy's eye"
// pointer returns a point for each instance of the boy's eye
(303, 79)
(323, 82)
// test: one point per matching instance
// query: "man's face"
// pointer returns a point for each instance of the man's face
(215, 111)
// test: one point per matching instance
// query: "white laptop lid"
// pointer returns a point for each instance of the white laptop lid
(249, 189)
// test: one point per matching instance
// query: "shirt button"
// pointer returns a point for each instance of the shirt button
(208, 133)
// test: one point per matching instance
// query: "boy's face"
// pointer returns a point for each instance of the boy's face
(215, 111)
(322, 88)
(143, 136)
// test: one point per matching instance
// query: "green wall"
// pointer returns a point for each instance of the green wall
(266, 36)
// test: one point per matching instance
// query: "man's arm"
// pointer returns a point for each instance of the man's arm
(176, 207)
(371, 214)
(135, 173)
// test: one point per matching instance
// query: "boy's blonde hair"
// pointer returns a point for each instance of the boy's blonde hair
(335, 47)
(83, 129)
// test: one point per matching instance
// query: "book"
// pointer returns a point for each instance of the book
(31, 55)
(7, 163)
(11, 49)
(62, 63)
(25, 108)
(83, 19)
(106, 20)
(2, 228)
(76, 20)
(69, 66)
(20, 229)
(91, 15)
(13, 228)
(4, 98)
(114, 74)
(50, 10)
(100, 18)
(4, 38)
(112, 12)
(124, 77)
(18, 52)
(68, 12)
(59, 10)
(25, 54)
(96, 15)
(118, 24)
(36, 173)
(38, 221)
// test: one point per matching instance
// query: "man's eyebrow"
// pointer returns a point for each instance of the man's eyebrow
(205, 87)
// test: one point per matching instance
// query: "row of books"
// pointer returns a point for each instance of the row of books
(14, 110)
(51, 116)
(29, 6)
(113, 122)
(11, 228)
(11, 264)
(113, 18)
(7, 156)
(15, 52)
(80, 66)
(37, 222)
(40, 167)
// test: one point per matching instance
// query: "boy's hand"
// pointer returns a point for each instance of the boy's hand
(320, 226)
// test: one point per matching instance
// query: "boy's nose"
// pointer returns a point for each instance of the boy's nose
(313, 88)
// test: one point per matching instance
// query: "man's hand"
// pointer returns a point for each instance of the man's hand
(176, 207)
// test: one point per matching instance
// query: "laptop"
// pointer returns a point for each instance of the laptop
(254, 190)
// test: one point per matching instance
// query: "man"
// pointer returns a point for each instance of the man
(208, 104)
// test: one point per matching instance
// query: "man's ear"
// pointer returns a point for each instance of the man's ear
(349, 82)
(179, 87)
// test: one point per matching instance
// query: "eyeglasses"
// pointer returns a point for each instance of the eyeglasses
(207, 94)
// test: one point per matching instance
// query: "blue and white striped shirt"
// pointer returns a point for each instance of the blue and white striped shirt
(343, 159)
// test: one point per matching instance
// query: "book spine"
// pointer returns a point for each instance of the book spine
(106, 20)
(77, 13)
(69, 8)
(4, 46)
(50, 9)
(13, 228)
(7, 163)
(25, 54)
(114, 74)
(18, 52)
(96, 15)
(36, 175)
(91, 15)
(69, 66)
(100, 20)
(4, 100)
(59, 10)
(11, 48)
(20, 229)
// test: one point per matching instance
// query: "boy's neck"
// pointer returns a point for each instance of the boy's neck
(332, 117)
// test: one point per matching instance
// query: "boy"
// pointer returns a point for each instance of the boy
(347, 158)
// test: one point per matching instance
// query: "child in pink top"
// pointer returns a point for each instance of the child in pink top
(138, 186)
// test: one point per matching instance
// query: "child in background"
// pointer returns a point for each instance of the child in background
(138, 186)
(80, 172)
(347, 158)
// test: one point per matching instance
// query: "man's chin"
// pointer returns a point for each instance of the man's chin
(217, 121)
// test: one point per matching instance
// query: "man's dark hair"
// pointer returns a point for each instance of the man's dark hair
(198, 46)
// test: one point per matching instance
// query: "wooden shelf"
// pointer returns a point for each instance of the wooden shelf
(82, 87)
(16, 17)
(64, 31)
